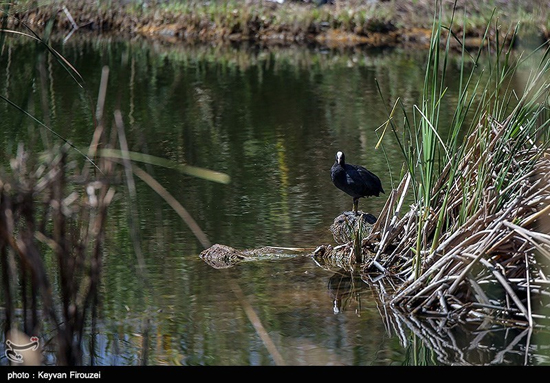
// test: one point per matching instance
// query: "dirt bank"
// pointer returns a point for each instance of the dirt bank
(353, 22)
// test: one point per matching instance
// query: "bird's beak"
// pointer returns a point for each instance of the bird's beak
(339, 157)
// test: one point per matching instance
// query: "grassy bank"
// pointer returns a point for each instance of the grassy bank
(347, 22)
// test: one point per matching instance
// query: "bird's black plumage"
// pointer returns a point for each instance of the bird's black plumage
(355, 180)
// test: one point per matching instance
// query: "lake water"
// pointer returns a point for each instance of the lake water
(272, 119)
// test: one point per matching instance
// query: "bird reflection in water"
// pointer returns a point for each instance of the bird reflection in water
(344, 288)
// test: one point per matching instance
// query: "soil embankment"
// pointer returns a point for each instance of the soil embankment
(346, 23)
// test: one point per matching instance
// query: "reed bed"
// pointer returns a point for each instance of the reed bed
(474, 243)
(500, 247)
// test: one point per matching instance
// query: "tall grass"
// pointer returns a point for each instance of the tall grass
(482, 172)
(484, 94)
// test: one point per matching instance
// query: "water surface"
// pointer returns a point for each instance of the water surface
(272, 119)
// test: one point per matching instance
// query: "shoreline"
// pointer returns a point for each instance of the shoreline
(378, 24)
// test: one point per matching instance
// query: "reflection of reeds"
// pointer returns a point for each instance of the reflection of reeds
(444, 340)
(471, 242)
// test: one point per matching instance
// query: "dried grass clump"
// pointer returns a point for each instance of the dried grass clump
(491, 262)
(46, 218)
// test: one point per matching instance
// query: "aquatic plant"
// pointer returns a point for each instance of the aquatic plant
(473, 242)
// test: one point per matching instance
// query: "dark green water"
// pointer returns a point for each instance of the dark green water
(272, 120)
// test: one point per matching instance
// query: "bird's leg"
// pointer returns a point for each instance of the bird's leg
(355, 204)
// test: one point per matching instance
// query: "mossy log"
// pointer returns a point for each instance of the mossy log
(221, 256)
(346, 229)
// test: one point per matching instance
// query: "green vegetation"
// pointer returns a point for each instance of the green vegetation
(480, 194)
(346, 22)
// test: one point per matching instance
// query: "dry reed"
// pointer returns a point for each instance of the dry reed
(492, 264)
(47, 218)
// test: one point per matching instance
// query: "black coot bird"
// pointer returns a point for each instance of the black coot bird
(355, 180)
